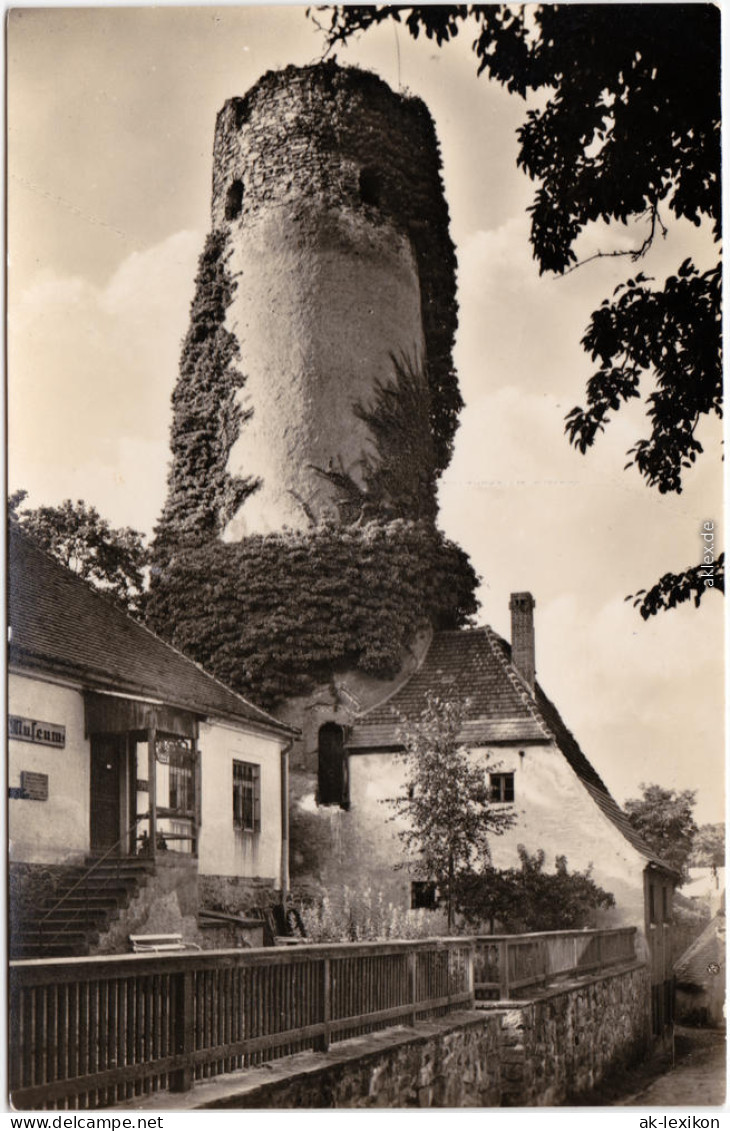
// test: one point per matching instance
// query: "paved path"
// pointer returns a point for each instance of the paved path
(698, 1078)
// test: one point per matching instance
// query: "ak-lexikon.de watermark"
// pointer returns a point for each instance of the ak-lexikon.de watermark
(707, 573)
(689, 1121)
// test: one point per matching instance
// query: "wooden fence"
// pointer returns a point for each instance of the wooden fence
(510, 966)
(94, 1032)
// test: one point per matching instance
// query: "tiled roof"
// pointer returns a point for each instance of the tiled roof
(474, 665)
(692, 968)
(463, 663)
(60, 625)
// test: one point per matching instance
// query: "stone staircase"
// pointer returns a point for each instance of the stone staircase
(90, 898)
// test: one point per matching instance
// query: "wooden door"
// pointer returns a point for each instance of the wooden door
(106, 767)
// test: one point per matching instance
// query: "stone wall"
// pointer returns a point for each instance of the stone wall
(32, 886)
(564, 1042)
(236, 895)
(328, 184)
(537, 1053)
(166, 904)
(450, 1062)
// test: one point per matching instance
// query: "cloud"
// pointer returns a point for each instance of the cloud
(641, 697)
(91, 370)
(580, 533)
(516, 325)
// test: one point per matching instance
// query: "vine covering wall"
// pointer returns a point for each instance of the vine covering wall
(206, 420)
(275, 614)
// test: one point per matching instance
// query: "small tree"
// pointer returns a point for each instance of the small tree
(112, 560)
(664, 818)
(530, 899)
(445, 803)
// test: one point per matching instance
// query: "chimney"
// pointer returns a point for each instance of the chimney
(523, 636)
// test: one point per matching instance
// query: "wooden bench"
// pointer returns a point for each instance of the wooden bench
(160, 944)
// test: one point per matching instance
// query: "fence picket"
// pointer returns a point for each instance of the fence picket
(513, 965)
(97, 1031)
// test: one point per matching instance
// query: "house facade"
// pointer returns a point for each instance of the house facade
(346, 770)
(119, 746)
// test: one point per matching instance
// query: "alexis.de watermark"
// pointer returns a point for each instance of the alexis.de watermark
(707, 573)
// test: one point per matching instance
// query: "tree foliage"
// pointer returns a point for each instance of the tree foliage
(112, 560)
(708, 847)
(528, 898)
(445, 804)
(674, 589)
(664, 819)
(628, 129)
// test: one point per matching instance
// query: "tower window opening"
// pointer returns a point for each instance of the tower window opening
(332, 777)
(234, 200)
(371, 187)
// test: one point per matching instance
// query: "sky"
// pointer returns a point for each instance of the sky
(111, 114)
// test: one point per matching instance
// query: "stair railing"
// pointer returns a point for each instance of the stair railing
(43, 940)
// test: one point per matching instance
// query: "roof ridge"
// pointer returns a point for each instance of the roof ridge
(517, 683)
(534, 708)
(67, 576)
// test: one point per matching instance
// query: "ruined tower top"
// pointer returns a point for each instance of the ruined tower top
(328, 186)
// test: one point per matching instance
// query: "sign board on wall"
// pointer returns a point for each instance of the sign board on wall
(31, 730)
(34, 786)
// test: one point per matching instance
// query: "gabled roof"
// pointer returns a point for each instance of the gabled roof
(692, 968)
(475, 665)
(59, 625)
(463, 663)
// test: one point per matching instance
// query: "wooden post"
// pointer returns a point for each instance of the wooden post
(183, 1028)
(413, 984)
(285, 822)
(503, 970)
(470, 957)
(599, 950)
(323, 1043)
(152, 787)
(197, 794)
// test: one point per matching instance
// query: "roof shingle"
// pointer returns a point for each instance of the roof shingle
(474, 666)
(59, 624)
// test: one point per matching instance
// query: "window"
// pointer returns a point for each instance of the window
(502, 787)
(179, 756)
(234, 200)
(423, 895)
(371, 187)
(332, 785)
(247, 797)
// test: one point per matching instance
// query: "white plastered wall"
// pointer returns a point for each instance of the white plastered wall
(322, 304)
(56, 830)
(554, 812)
(223, 849)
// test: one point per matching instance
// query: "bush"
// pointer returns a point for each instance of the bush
(529, 899)
(344, 915)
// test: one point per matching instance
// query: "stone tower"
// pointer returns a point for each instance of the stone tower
(327, 185)
(298, 556)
